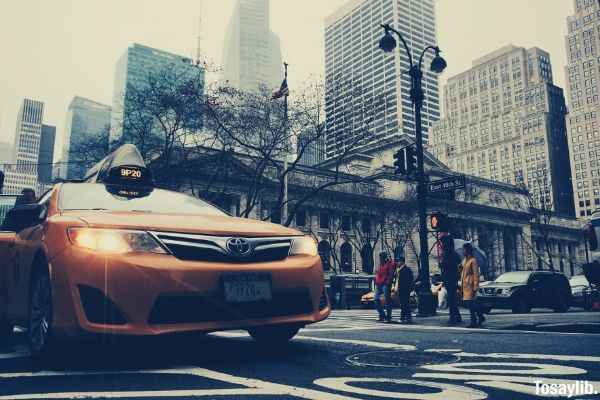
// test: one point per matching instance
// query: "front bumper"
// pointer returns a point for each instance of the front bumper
(495, 301)
(160, 294)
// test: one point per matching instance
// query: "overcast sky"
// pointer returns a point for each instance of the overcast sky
(55, 49)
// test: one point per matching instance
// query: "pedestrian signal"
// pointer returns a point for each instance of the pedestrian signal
(439, 222)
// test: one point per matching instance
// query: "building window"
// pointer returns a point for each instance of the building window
(324, 220)
(346, 257)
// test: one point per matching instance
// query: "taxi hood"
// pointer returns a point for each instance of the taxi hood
(219, 225)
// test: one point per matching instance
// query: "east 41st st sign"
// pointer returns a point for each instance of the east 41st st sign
(447, 184)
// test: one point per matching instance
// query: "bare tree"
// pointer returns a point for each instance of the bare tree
(332, 234)
(259, 128)
(541, 208)
(88, 150)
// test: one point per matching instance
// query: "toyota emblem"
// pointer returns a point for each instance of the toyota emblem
(239, 246)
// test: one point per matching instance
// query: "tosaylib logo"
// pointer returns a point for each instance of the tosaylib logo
(239, 247)
(577, 388)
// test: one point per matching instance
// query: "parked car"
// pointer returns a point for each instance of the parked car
(519, 291)
(581, 290)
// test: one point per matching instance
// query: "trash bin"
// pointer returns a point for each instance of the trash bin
(338, 292)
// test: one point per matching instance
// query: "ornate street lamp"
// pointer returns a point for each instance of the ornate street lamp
(438, 64)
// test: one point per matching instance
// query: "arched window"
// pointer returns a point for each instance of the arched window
(366, 255)
(325, 252)
(346, 257)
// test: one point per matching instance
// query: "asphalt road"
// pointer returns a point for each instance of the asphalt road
(348, 356)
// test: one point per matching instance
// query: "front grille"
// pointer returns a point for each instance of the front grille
(98, 308)
(214, 248)
(195, 308)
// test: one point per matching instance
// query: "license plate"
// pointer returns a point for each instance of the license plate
(239, 288)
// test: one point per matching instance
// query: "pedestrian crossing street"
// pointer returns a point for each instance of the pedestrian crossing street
(361, 319)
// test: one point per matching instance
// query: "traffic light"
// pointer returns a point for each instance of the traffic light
(411, 160)
(400, 162)
(439, 222)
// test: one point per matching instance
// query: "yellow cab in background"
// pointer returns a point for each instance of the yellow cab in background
(113, 254)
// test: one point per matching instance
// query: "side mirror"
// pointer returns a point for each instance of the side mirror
(24, 216)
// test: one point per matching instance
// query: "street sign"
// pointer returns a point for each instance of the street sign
(447, 184)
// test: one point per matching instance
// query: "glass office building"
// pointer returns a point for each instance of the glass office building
(134, 68)
(367, 88)
(252, 53)
(85, 119)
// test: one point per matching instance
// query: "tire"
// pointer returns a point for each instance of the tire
(39, 327)
(521, 306)
(273, 335)
(561, 305)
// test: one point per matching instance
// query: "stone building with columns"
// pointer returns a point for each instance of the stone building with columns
(374, 210)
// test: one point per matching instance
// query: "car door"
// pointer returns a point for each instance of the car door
(7, 257)
(7, 250)
(27, 244)
(547, 290)
(537, 285)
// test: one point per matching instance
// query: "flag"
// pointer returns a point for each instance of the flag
(283, 90)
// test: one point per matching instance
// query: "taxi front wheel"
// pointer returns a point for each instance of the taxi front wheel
(39, 329)
(273, 335)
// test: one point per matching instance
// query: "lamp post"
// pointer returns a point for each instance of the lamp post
(438, 64)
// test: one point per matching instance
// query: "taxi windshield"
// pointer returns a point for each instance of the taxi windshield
(94, 196)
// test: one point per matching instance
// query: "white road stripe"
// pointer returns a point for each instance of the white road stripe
(520, 384)
(140, 394)
(446, 391)
(257, 386)
(530, 369)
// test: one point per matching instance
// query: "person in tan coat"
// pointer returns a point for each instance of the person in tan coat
(470, 286)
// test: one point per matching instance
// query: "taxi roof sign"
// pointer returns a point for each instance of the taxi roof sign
(124, 167)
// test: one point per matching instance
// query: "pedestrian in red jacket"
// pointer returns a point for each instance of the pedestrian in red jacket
(383, 286)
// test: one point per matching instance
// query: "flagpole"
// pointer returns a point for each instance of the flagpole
(284, 208)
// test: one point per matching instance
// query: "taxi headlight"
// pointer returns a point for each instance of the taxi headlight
(505, 292)
(303, 245)
(114, 241)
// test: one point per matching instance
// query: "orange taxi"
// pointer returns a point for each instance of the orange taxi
(114, 255)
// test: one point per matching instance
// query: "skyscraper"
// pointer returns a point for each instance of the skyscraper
(583, 76)
(366, 83)
(23, 173)
(46, 154)
(85, 119)
(252, 53)
(312, 147)
(504, 120)
(134, 68)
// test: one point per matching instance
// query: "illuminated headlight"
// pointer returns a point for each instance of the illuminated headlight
(303, 245)
(114, 241)
(505, 292)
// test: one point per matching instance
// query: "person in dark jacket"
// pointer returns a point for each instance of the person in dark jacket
(383, 286)
(449, 266)
(405, 286)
